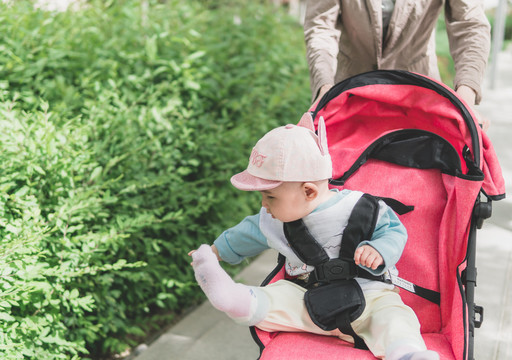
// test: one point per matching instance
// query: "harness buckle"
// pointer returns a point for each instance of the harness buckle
(336, 269)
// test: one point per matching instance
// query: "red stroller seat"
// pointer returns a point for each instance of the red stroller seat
(402, 135)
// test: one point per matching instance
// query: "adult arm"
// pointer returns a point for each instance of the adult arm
(322, 43)
(469, 35)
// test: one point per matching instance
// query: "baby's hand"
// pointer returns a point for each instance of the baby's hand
(368, 256)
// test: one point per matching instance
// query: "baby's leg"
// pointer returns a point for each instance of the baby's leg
(244, 304)
(391, 329)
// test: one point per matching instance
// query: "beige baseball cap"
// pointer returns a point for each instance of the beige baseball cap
(285, 154)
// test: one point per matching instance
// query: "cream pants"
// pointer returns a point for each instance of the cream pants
(385, 323)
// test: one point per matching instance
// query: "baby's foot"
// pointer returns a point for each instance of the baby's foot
(223, 293)
(204, 260)
(421, 355)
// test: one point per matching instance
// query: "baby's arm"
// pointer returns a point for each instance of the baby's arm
(241, 241)
(388, 239)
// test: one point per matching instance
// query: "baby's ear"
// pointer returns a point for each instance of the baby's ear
(307, 121)
(310, 190)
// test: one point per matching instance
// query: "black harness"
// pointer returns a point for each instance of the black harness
(360, 226)
(334, 299)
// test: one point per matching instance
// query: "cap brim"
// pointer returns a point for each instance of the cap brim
(247, 182)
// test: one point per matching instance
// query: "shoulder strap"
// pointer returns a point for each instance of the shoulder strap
(360, 226)
(399, 207)
(303, 244)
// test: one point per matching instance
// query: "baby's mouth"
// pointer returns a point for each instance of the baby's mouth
(268, 212)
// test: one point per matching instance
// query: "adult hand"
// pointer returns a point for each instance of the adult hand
(469, 96)
(321, 93)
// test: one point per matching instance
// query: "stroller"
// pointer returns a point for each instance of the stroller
(404, 136)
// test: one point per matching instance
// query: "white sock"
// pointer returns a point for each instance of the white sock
(421, 355)
(236, 300)
(407, 352)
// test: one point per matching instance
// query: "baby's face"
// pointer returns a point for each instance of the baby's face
(287, 202)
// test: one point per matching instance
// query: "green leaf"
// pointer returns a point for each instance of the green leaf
(95, 173)
(6, 317)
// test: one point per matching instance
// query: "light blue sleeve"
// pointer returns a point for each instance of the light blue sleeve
(241, 241)
(388, 239)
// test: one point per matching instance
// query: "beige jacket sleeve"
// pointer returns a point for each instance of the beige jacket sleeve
(469, 35)
(322, 42)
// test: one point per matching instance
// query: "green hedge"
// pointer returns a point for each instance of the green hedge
(121, 125)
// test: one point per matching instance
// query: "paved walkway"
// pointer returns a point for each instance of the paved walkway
(493, 341)
(208, 334)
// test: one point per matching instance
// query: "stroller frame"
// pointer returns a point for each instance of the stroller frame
(480, 161)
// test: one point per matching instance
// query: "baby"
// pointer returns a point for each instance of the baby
(291, 167)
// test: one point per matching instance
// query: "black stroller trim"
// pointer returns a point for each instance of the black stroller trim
(400, 77)
(494, 197)
(424, 149)
(280, 264)
(257, 340)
